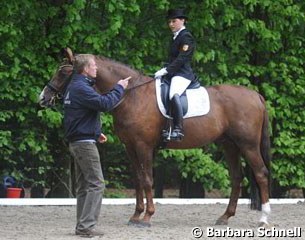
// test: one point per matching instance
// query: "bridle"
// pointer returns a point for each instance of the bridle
(52, 88)
(58, 93)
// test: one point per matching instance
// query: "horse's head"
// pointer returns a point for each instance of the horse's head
(56, 87)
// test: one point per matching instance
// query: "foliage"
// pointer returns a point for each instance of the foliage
(195, 163)
(255, 43)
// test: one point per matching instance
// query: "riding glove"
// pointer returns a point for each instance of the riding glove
(160, 73)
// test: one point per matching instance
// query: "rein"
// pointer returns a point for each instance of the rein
(131, 88)
(141, 84)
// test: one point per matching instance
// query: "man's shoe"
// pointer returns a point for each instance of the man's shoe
(88, 233)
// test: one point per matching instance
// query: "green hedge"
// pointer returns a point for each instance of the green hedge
(255, 43)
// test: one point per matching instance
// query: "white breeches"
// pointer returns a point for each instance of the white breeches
(178, 86)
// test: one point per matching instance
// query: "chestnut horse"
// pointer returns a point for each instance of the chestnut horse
(237, 120)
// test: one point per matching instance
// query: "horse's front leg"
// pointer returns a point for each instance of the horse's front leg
(135, 219)
(150, 208)
(146, 153)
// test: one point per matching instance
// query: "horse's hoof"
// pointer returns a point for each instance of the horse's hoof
(138, 223)
(133, 222)
(221, 222)
(145, 224)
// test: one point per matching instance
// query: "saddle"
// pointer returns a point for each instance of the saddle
(165, 86)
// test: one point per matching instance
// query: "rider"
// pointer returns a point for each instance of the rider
(179, 68)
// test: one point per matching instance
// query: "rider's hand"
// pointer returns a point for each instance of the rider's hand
(160, 73)
(124, 82)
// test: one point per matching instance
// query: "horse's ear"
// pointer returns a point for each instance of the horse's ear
(69, 55)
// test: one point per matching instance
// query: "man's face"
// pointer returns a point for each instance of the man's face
(90, 70)
(175, 24)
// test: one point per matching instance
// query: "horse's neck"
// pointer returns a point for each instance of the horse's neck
(110, 72)
(141, 88)
(139, 95)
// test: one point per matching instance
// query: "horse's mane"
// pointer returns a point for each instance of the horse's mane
(119, 64)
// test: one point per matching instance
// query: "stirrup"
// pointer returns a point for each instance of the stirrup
(176, 135)
(166, 134)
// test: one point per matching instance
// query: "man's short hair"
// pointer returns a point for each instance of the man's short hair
(82, 61)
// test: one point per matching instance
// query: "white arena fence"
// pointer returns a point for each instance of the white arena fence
(125, 201)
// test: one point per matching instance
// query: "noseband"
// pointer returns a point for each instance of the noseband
(52, 88)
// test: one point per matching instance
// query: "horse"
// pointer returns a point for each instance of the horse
(237, 121)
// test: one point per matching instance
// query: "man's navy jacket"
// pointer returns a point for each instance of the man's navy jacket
(82, 107)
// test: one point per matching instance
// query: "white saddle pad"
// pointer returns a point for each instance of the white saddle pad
(198, 101)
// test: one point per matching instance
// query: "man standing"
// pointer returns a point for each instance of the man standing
(82, 106)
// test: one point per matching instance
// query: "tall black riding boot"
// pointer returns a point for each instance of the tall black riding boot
(177, 133)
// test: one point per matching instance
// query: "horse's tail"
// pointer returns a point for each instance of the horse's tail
(255, 196)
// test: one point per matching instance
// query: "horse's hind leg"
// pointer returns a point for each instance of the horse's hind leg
(260, 172)
(232, 155)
